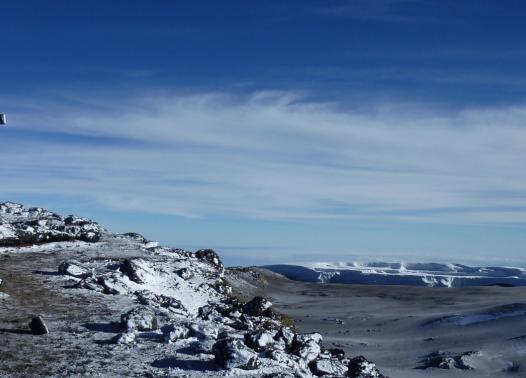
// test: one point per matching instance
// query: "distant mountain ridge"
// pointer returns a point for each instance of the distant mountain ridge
(413, 274)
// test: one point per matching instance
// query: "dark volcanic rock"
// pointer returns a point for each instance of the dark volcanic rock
(210, 256)
(359, 367)
(257, 306)
(135, 236)
(37, 326)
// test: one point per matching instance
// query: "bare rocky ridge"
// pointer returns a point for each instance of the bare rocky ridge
(119, 305)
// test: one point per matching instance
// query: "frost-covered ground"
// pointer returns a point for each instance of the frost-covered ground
(414, 274)
(120, 305)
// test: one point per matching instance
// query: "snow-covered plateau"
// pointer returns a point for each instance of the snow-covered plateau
(413, 274)
(120, 305)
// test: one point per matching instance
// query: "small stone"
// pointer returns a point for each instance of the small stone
(37, 326)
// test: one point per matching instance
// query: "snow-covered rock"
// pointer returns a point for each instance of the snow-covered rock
(20, 226)
(287, 335)
(309, 347)
(140, 318)
(210, 256)
(175, 332)
(259, 340)
(329, 366)
(446, 360)
(257, 306)
(136, 269)
(185, 273)
(233, 353)
(73, 269)
(359, 367)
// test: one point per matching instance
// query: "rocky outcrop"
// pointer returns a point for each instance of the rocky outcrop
(178, 302)
(20, 226)
(447, 360)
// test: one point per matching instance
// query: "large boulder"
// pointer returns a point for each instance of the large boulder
(137, 270)
(141, 319)
(359, 367)
(112, 284)
(329, 367)
(204, 331)
(73, 270)
(233, 353)
(308, 347)
(287, 335)
(211, 257)
(257, 306)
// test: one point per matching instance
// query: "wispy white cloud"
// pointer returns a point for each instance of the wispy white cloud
(399, 11)
(272, 155)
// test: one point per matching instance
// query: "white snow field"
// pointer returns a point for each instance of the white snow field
(413, 274)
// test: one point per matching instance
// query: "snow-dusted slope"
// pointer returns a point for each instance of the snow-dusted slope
(414, 274)
(169, 311)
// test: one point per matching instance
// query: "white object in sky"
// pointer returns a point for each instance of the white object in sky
(3, 119)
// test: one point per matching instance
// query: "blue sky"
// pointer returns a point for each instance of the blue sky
(274, 131)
